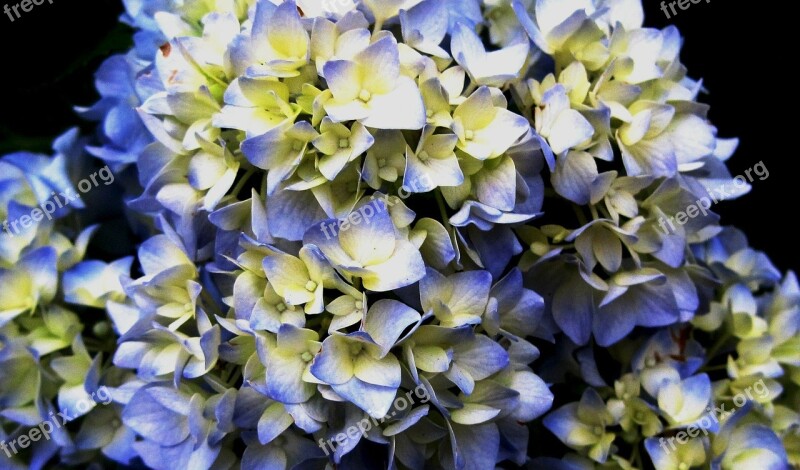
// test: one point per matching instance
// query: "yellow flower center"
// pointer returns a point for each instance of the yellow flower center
(469, 134)
(344, 143)
(311, 286)
(423, 156)
(364, 95)
(306, 356)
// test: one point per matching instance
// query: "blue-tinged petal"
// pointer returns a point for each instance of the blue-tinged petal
(403, 268)
(400, 108)
(574, 308)
(384, 371)
(574, 176)
(497, 186)
(372, 241)
(158, 413)
(424, 27)
(290, 213)
(480, 357)
(273, 422)
(437, 249)
(344, 80)
(644, 304)
(333, 364)
(285, 379)
(374, 399)
(386, 320)
(475, 447)
(755, 446)
(286, 32)
(535, 397)
(259, 457)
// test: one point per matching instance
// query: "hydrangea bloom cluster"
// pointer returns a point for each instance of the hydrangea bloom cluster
(402, 234)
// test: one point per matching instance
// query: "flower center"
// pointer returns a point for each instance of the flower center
(281, 307)
(423, 156)
(344, 143)
(306, 356)
(364, 95)
(469, 134)
(311, 286)
(355, 349)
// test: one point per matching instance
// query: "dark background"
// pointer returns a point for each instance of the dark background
(50, 54)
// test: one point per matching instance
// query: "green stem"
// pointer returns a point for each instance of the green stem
(580, 215)
(216, 383)
(443, 211)
(472, 86)
(714, 349)
(378, 27)
(240, 185)
(593, 210)
(715, 368)
(209, 302)
(636, 456)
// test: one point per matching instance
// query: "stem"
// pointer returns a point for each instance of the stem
(714, 349)
(472, 86)
(378, 26)
(443, 211)
(209, 302)
(580, 215)
(216, 383)
(237, 374)
(715, 368)
(593, 210)
(240, 185)
(636, 456)
(263, 192)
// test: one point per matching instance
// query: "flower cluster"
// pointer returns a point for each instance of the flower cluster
(347, 206)
(48, 373)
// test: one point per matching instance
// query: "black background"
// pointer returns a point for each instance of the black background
(50, 54)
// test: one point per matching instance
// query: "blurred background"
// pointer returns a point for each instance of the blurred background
(50, 54)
